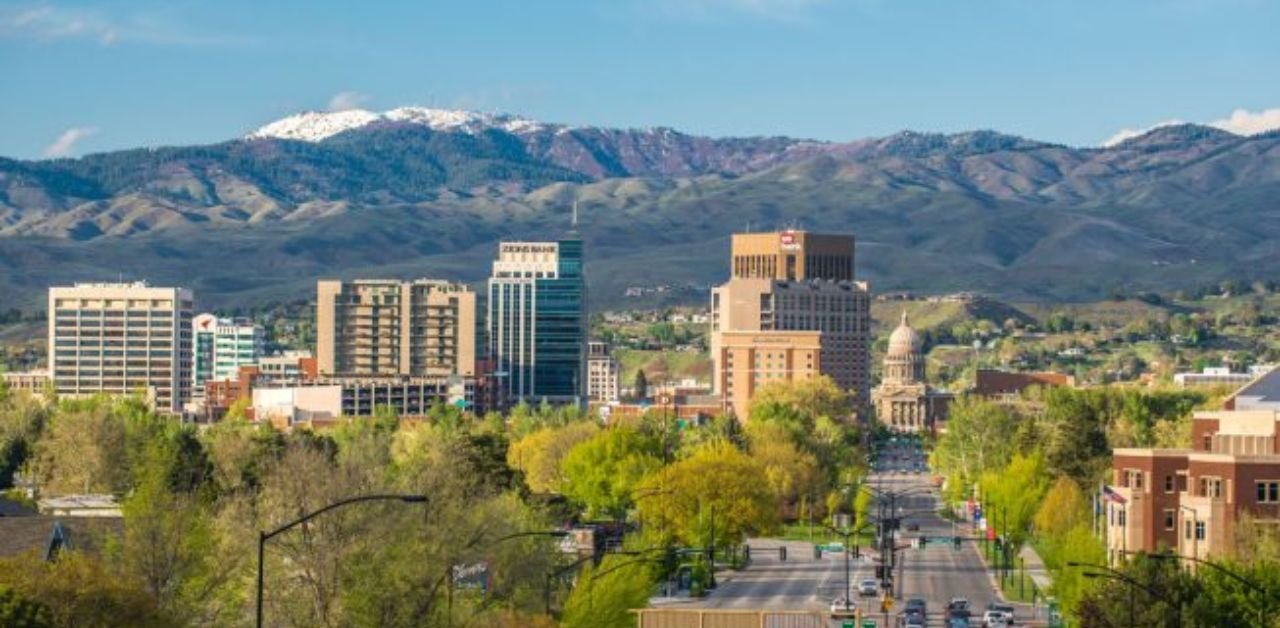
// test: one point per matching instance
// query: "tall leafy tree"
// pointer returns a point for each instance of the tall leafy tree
(603, 472)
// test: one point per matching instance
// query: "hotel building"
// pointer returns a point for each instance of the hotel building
(790, 311)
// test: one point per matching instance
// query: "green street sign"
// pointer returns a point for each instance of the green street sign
(848, 623)
(868, 623)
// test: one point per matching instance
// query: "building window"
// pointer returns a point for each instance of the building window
(1123, 519)
(1269, 492)
(1169, 517)
(1168, 483)
(1186, 529)
(1199, 530)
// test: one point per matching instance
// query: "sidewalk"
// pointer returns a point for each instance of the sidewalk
(1035, 568)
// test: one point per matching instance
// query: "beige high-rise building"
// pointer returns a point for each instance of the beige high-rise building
(602, 373)
(389, 327)
(121, 338)
(790, 311)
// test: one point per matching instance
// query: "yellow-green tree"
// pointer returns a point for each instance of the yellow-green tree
(604, 596)
(1012, 495)
(602, 473)
(540, 454)
(819, 396)
(1064, 507)
(793, 473)
(718, 490)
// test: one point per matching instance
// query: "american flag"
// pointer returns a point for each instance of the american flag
(1111, 495)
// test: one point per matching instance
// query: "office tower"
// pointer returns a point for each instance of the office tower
(385, 327)
(790, 311)
(122, 338)
(222, 346)
(602, 373)
(537, 320)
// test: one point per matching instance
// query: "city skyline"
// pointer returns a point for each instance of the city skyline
(828, 70)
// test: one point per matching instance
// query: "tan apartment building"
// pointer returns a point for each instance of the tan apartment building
(391, 327)
(122, 338)
(1193, 500)
(793, 291)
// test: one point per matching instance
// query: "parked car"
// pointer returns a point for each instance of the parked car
(868, 587)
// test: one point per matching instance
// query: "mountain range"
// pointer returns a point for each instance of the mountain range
(426, 192)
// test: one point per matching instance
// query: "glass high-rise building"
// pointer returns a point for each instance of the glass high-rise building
(537, 321)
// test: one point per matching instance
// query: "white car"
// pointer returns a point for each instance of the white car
(994, 620)
(868, 587)
(842, 607)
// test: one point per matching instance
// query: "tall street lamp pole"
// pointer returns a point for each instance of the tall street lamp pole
(263, 537)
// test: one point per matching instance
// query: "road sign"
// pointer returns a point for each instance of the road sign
(868, 623)
(848, 623)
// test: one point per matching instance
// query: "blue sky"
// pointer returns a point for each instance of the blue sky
(81, 77)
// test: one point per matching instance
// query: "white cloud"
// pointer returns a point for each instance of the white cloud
(47, 23)
(346, 100)
(1245, 122)
(1128, 134)
(65, 145)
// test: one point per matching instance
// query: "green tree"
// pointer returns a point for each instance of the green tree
(17, 611)
(976, 441)
(603, 472)
(605, 596)
(81, 591)
(641, 385)
(540, 455)
(718, 491)
(1012, 495)
(1064, 507)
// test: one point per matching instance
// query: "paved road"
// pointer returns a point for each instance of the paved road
(937, 573)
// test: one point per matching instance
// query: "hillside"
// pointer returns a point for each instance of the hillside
(422, 192)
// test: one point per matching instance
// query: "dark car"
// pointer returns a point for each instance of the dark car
(915, 604)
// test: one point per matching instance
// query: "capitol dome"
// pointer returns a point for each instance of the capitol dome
(904, 340)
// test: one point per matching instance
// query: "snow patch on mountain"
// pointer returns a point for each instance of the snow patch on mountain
(314, 126)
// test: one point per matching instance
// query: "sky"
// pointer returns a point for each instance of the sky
(89, 76)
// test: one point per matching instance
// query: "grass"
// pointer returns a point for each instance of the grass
(676, 365)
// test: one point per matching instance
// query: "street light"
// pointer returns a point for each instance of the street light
(263, 537)
(846, 533)
(1253, 585)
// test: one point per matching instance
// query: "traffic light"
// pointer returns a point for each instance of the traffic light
(999, 543)
(782, 553)
(955, 540)
(924, 542)
(857, 551)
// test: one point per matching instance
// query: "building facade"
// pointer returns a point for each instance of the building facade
(387, 327)
(220, 347)
(904, 401)
(326, 400)
(793, 291)
(122, 338)
(537, 321)
(1193, 501)
(602, 373)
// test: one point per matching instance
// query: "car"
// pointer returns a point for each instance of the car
(997, 621)
(915, 604)
(868, 587)
(957, 622)
(1003, 611)
(841, 607)
(913, 527)
(958, 604)
(913, 620)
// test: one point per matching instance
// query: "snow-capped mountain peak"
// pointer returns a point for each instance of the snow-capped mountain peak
(314, 126)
